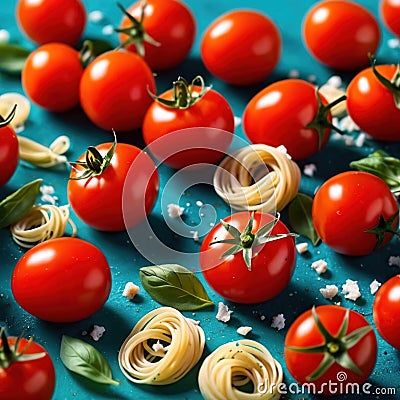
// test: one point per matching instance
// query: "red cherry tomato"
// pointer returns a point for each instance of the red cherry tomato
(390, 14)
(9, 150)
(45, 21)
(272, 263)
(372, 105)
(114, 90)
(387, 311)
(62, 280)
(279, 115)
(241, 47)
(26, 379)
(199, 131)
(340, 34)
(121, 195)
(51, 77)
(304, 333)
(355, 213)
(170, 23)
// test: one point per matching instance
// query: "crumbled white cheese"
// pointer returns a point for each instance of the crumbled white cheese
(359, 142)
(244, 330)
(95, 16)
(130, 290)
(374, 286)
(329, 291)
(199, 203)
(294, 73)
(107, 30)
(334, 81)
(394, 261)
(320, 266)
(158, 346)
(347, 124)
(309, 169)
(174, 210)
(97, 332)
(351, 290)
(195, 235)
(223, 314)
(302, 247)
(393, 43)
(237, 121)
(278, 322)
(4, 36)
(262, 317)
(348, 140)
(46, 189)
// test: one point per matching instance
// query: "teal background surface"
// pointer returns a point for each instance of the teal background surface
(119, 315)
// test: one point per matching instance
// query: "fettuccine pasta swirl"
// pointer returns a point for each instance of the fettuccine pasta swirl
(162, 348)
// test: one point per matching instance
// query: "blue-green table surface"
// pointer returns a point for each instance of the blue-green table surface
(119, 315)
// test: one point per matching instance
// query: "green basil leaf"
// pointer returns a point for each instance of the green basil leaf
(12, 58)
(82, 358)
(300, 217)
(382, 165)
(175, 286)
(18, 204)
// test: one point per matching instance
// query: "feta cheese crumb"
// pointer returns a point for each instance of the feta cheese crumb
(394, 261)
(237, 121)
(130, 290)
(302, 247)
(334, 81)
(195, 235)
(351, 290)
(107, 30)
(4, 36)
(244, 330)
(174, 210)
(95, 16)
(374, 286)
(199, 203)
(393, 43)
(223, 314)
(347, 124)
(329, 291)
(359, 142)
(97, 332)
(320, 266)
(309, 169)
(262, 317)
(158, 347)
(278, 322)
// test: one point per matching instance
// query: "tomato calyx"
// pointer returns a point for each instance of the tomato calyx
(321, 121)
(335, 348)
(10, 353)
(137, 35)
(392, 85)
(245, 241)
(5, 121)
(95, 164)
(383, 226)
(183, 94)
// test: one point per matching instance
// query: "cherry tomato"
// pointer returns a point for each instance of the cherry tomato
(241, 47)
(355, 213)
(21, 378)
(340, 34)
(390, 14)
(188, 129)
(114, 90)
(51, 76)
(350, 361)
(9, 150)
(120, 194)
(256, 272)
(169, 23)
(387, 311)
(62, 280)
(372, 105)
(45, 21)
(280, 114)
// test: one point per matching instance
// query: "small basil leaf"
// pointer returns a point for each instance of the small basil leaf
(300, 217)
(18, 204)
(82, 358)
(382, 165)
(12, 58)
(175, 286)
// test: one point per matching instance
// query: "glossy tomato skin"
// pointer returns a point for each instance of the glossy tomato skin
(341, 34)
(28, 380)
(51, 77)
(279, 113)
(46, 21)
(349, 204)
(241, 47)
(168, 22)
(390, 14)
(387, 311)
(271, 268)
(372, 106)
(114, 90)
(181, 137)
(98, 201)
(303, 332)
(62, 280)
(9, 154)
